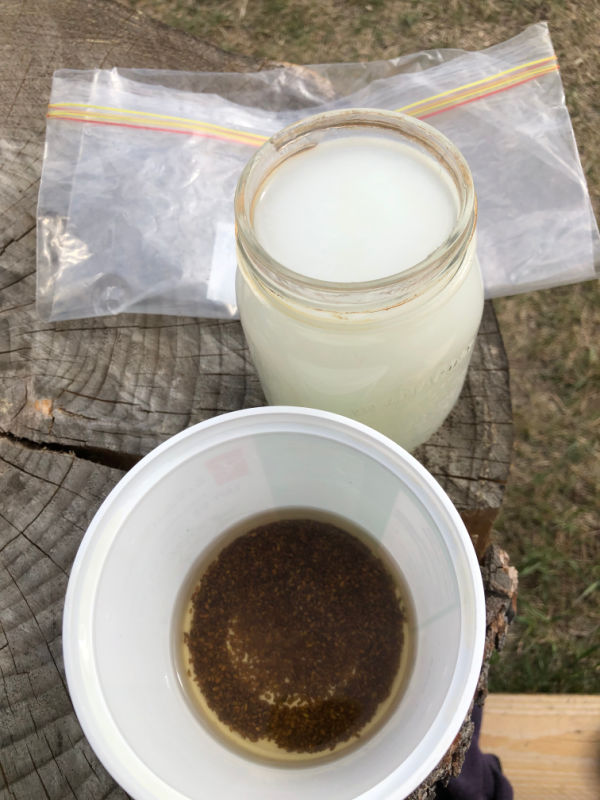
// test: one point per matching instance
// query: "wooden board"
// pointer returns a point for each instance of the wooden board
(549, 745)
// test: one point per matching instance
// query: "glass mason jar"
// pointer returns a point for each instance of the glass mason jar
(391, 351)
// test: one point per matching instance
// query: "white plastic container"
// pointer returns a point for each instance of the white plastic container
(358, 284)
(121, 605)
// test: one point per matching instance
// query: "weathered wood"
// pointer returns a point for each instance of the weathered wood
(125, 384)
(500, 582)
(49, 500)
(79, 399)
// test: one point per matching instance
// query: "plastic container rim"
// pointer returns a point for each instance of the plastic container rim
(117, 755)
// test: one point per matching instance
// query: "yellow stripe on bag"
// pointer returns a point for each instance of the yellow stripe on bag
(145, 119)
(457, 97)
(537, 62)
(435, 104)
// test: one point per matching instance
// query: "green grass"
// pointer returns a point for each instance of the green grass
(550, 523)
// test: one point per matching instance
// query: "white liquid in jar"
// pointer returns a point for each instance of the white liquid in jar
(355, 209)
(351, 210)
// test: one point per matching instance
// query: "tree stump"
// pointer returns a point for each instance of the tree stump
(82, 401)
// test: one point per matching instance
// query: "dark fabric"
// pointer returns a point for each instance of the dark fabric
(481, 777)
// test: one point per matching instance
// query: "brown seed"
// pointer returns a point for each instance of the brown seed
(303, 613)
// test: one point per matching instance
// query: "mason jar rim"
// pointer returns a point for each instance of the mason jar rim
(394, 289)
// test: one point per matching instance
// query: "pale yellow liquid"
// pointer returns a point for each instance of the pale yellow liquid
(265, 749)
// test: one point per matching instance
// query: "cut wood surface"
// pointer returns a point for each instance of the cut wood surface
(549, 745)
(82, 401)
(125, 384)
(49, 499)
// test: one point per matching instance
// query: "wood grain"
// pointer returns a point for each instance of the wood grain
(82, 401)
(549, 745)
(48, 499)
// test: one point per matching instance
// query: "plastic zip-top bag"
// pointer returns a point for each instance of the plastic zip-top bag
(136, 200)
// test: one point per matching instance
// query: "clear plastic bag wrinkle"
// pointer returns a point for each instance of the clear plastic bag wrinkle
(135, 210)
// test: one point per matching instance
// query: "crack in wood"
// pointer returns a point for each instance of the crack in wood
(133, 404)
(96, 399)
(49, 445)
(471, 478)
(37, 547)
(38, 626)
(20, 468)
(14, 240)
(90, 764)
(17, 307)
(10, 541)
(67, 781)
(13, 526)
(6, 783)
(98, 455)
(37, 772)
(67, 413)
(53, 759)
(16, 280)
(13, 350)
(6, 695)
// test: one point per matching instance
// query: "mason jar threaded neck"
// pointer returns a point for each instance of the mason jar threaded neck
(428, 275)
